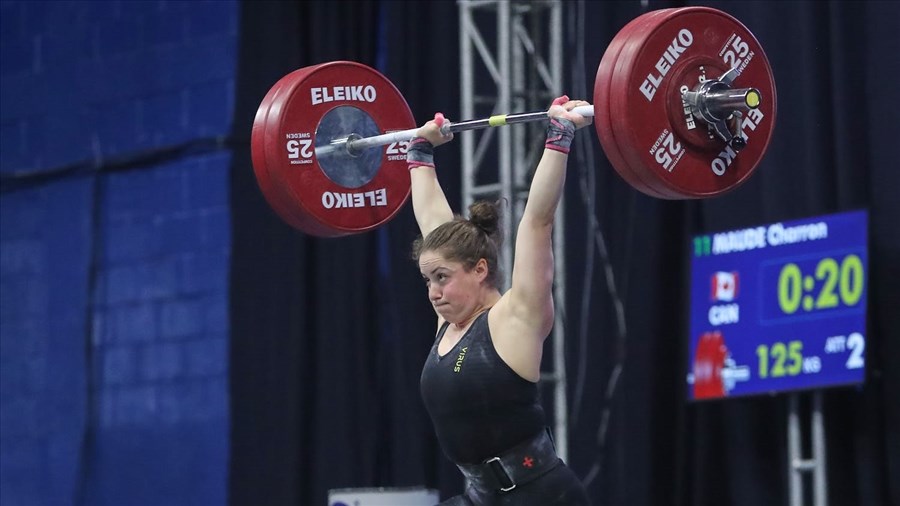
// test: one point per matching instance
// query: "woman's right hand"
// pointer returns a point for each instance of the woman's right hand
(431, 131)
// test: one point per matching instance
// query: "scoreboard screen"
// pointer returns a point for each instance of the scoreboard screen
(779, 307)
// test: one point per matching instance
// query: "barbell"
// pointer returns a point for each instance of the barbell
(684, 107)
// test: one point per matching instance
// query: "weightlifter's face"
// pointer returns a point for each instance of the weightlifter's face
(452, 290)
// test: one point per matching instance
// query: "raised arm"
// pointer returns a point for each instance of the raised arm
(430, 205)
(530, 294)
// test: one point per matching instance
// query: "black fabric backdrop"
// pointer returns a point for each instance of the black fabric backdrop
(329, 335)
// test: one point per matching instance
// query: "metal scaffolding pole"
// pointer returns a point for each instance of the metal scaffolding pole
(798, 466)
(520, 70)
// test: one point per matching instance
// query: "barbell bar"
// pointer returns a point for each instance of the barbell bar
(354, 144)
(712, 104)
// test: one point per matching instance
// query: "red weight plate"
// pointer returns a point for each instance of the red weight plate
(620, 92)
(686, 45)
(602, 121)
(622, 134)
(260, 169)
(305, 115)
(272, 152)
(278, 199)
(623, 65)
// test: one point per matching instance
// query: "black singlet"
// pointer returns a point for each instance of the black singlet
(478, 404)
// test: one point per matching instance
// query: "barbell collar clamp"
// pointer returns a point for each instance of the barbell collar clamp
(715, 102)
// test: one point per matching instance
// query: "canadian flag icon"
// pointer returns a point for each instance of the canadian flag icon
(724, 286)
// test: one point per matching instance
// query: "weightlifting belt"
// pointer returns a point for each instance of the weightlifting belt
(517, 466)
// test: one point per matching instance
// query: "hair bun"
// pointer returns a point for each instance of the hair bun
(486, 216)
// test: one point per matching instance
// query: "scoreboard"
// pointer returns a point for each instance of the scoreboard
(779, 307)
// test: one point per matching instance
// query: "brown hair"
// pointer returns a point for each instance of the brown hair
(467, 241)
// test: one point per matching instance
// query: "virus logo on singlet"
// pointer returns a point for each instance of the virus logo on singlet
(459, 360)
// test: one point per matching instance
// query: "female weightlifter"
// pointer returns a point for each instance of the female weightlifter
(480, 380)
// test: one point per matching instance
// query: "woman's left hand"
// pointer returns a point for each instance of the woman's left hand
(562, 108)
